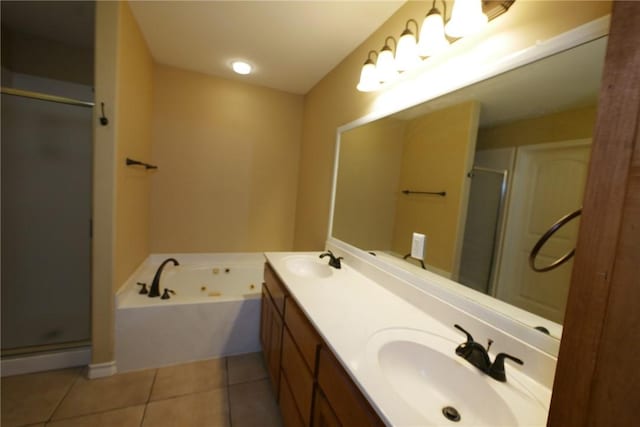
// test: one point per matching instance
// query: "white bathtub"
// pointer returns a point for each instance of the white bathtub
(214, 312)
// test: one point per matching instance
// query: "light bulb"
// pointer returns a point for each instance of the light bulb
(432, 38)
(407, 52)
(385, 66)
(467, 18)
(368, 77)
(241, 67)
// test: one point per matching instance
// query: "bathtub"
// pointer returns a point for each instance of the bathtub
(213, 312)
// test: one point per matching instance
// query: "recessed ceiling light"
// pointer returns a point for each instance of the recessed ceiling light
(241, 67)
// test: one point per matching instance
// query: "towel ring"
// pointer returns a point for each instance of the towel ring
(546, 236)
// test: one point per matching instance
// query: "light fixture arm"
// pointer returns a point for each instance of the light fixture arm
(444, 9)
(407, 30)
(386, 44)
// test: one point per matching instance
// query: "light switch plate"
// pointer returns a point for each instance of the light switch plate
(418, 245)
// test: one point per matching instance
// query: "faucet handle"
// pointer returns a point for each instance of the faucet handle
(469, 337)
(166, 293)
(496, 370)
(143, 290)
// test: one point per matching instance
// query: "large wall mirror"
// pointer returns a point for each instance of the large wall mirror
(483, 173)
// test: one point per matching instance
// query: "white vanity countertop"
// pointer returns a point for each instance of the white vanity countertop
(348, 308)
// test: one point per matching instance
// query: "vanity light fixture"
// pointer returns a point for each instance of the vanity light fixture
(467, 17)
(432, 38)
(386, 64)
(241, 67)
(407, 51)
(368, 76)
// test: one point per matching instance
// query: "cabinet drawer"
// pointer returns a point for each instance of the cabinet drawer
(290, 415)
(302, 332)
(275, 287)
(348, 403)
(298, 376)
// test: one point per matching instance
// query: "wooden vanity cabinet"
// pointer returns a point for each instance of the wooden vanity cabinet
(323, 415)
(349, 406)
(313, 389)
(271, 324)
(300, 345)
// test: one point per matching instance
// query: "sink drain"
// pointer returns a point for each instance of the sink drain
(451, 413)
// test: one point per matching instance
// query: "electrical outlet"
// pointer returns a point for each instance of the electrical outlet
(418, 245)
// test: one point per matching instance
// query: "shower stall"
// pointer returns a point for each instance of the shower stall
(46, 150)
(482, 233)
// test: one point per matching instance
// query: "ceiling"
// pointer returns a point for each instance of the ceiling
(291, 44)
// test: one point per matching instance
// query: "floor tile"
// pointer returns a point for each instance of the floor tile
(32, 398)
(126, 417)
(254, 404)
(246, 367)
(103, 394)
(189, 378)
(209, 408)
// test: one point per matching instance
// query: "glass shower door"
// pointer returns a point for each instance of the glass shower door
(46, 212)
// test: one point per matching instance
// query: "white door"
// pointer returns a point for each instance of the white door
(548, 183)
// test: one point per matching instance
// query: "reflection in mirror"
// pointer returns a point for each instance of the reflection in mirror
(511, 155)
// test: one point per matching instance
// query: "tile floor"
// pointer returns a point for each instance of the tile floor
(232, 391)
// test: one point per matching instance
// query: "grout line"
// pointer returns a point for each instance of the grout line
(73, 383)
(253, 380)
(146, 405)
(153, 383)
(226, 367)
(101, 411)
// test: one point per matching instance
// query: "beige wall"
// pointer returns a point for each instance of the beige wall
(102, 267)
(334, 101)
(368, 174)
(121, 195)
(133, 136)
(438, 153)
(562, 126)
(227, 154)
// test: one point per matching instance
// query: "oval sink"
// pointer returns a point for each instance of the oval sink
(422, 371)
(308, 266)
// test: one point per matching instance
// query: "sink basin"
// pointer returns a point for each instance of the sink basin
(308, 266)
(431, 385)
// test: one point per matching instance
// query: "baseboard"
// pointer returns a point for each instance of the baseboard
(45, 361)
(99, 370)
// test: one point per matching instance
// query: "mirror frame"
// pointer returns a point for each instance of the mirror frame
(499, 314)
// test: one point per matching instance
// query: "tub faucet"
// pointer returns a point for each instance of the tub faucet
(333, 260)
(155, 285)
(478, 356)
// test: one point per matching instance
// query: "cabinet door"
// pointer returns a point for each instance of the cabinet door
(346, 400)
(265, 324)
(290, 415)
(275, 348)
(298, 376)
(323, 415)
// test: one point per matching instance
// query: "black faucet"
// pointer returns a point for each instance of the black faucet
(155, 285)
(478, 356)
(333, 260)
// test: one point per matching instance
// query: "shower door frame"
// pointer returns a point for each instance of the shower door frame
(67, 345)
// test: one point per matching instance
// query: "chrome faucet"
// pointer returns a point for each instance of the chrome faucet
(474, 353)
(333, 260)
(155, 285)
